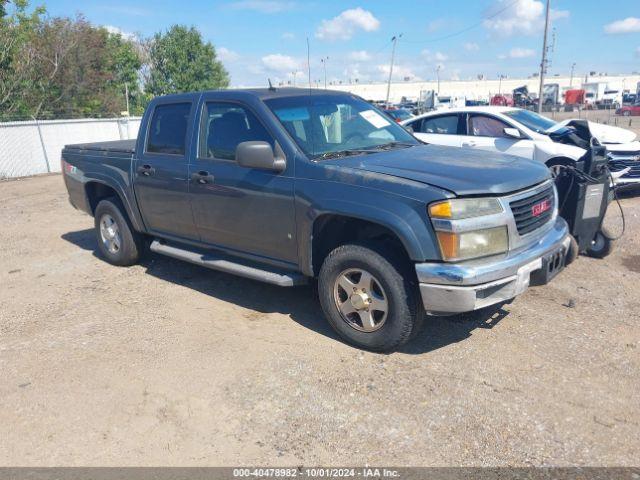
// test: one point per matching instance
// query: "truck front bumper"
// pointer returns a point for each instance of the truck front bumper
(449, 288)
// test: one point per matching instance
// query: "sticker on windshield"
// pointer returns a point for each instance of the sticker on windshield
(374, 118)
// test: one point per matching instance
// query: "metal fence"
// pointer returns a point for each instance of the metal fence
(33, 147)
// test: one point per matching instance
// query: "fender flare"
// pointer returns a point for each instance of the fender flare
(131, 210)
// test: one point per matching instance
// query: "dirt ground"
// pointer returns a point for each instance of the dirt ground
(167, 363)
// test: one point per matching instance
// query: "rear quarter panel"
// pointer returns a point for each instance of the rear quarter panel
(112, 169)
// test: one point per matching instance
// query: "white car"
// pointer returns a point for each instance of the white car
(526, 134)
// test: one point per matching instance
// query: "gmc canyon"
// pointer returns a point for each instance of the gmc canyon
(288, 185)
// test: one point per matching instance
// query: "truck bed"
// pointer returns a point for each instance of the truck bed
(121, 146)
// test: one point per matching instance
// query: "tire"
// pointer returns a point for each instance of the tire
(118, 242)
(392, 285)
(573, 251)
(601, 246)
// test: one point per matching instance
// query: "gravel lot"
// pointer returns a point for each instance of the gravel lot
(167, 363)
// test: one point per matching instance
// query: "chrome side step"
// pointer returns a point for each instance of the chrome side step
(225, 263)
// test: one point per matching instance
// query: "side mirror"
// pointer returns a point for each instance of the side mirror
(512, 132)
(258, 154)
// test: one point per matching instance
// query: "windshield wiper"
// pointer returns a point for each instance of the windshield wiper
(391, 145)
(342, 153)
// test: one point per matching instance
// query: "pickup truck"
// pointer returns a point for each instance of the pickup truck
(287, 186)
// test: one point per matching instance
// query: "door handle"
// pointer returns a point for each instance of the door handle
(202, 177)
(468, 144)
(146, 170)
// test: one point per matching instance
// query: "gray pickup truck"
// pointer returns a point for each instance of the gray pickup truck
(288, 185)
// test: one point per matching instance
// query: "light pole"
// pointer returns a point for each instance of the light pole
(438, 77)
(573, 66)
(543, 62)
(323, 60)
(394, 39)
(294, 77)
(500, 77)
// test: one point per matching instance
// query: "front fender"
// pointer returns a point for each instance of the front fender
(405, 217)
(544, 151)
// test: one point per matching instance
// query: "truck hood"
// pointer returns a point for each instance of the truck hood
(461, 171)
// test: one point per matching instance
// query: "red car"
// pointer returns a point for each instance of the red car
(629, 110)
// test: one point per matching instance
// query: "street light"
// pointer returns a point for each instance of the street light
(573, 66)
(323, 60)
(438, 76)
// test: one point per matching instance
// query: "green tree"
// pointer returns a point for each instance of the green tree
(18, 58)
(179, 61)
(125, 65)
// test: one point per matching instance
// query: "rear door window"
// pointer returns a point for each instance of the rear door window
(224, 126)
(168, 129)
(443, 125)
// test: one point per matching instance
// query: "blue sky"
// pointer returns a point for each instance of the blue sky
(257, 39)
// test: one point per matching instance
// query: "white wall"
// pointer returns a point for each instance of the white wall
(33, 147)
(477, 89)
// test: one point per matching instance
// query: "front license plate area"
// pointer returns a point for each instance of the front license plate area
(552, 264)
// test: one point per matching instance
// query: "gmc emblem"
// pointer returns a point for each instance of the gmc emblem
(540, 208)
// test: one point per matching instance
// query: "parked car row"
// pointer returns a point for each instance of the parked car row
(526, 134)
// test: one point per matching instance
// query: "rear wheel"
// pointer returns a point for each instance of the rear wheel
(369, 297)
(118, 242)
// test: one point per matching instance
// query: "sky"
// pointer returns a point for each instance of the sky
(455, 39)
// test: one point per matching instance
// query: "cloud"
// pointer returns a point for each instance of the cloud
(288, 36)
(523, 17)
(277, 62)
(226, 55)
(521, 53)
(400, 72)
(471, 47)
(345, 25)
(434, 57)
(360, 56)
(628, 25)
(118, 31)
(263, 6)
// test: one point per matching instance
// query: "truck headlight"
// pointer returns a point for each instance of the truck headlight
(473, 244)
(461, 236)
(459, 208)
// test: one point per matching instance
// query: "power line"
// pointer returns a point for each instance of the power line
(466, 29)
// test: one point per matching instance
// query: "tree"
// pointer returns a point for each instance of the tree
(18, 58)
(179, 61)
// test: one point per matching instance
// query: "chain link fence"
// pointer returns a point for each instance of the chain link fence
(34, 147)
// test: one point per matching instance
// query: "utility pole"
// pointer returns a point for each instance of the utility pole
(500, 77)
(543, 63)
(323, 60)
(438, 76)
(394, 39)
(573, 66)
(294, 78)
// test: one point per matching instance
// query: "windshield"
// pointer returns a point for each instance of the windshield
(531, 120)
(323, 125)
(399, 114)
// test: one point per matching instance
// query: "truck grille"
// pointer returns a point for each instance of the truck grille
(634, 165)
(526, 210)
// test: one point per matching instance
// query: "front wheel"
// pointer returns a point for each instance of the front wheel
(369, 297)
(601, 246)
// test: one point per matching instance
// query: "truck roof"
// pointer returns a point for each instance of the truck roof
(262, 93)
